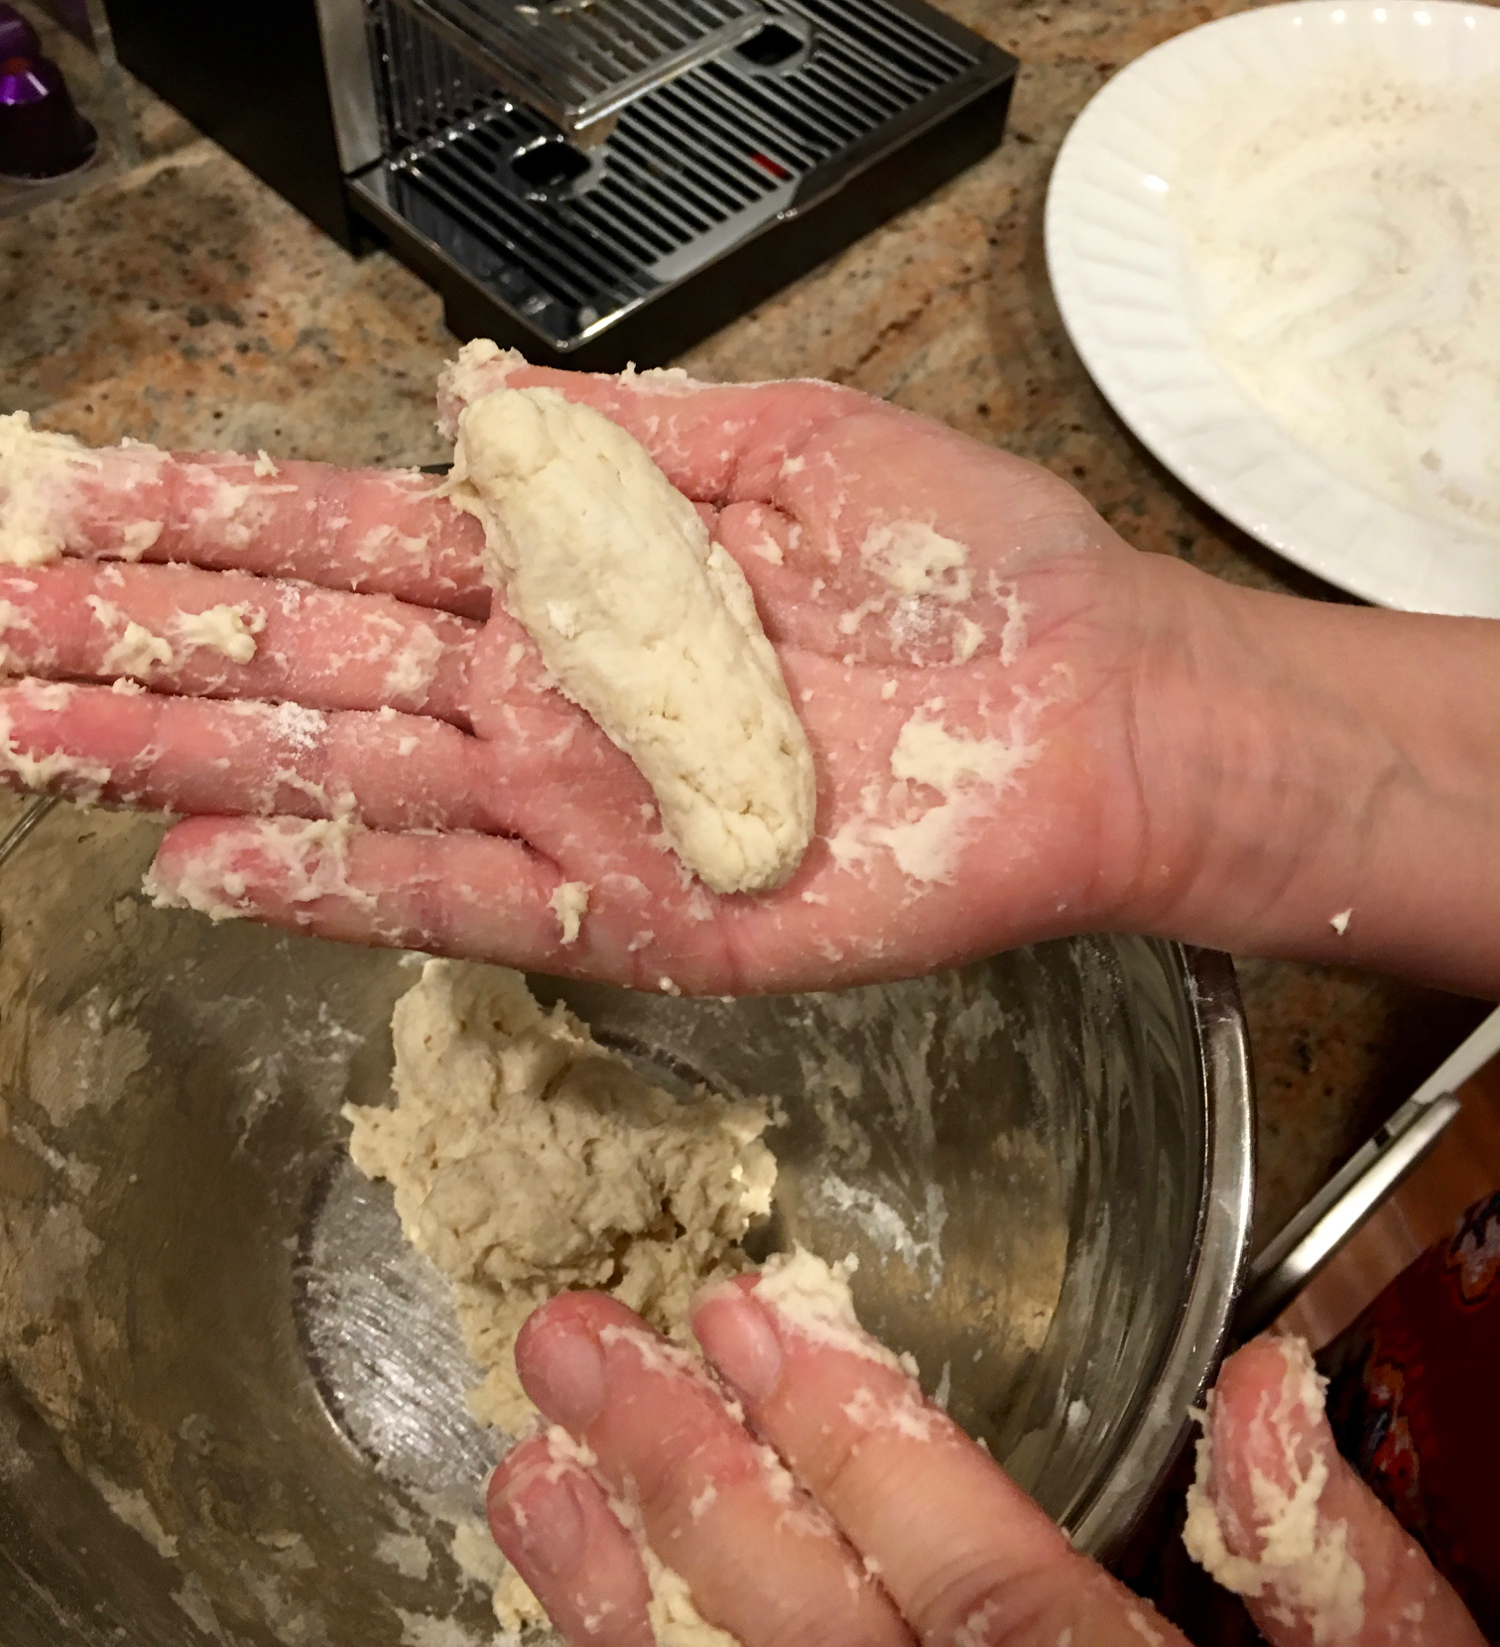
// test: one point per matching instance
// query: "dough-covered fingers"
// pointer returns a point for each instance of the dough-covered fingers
(967, 1557)
(554, 1523)
(1279, 1517)
(387, 532)
(464, 895)
(198, 755)
(472, 896)
(226, 634)
(718, 1507)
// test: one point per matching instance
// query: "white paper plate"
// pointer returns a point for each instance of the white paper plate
(1117, 262)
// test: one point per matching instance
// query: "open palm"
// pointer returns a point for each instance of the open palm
(391, 765)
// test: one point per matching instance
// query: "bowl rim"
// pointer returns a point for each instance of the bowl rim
(1220, 1255)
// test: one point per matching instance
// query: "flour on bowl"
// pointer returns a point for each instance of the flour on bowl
(1343, 238)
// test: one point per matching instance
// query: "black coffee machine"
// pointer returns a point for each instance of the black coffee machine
(594, 181)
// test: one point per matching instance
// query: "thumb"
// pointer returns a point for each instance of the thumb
(1277, 1516)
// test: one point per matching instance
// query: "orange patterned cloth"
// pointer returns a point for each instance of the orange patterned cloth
(1413, 1405)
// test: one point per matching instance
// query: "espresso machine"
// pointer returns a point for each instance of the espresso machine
(593, 181)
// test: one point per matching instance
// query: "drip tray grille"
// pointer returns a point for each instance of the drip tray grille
(571, 239)
(579, 61)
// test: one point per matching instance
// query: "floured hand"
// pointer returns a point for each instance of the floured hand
(815, 1498)
(373, 753)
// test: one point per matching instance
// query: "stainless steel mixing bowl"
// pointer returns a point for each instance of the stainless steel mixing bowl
(231, 1398)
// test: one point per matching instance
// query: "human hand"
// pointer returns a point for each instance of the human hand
(391, 698)
(814, 1497)
(1130, 745)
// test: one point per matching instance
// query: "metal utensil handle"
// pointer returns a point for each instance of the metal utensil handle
(1307, 1243)
(23, 826)
(1312, 1238)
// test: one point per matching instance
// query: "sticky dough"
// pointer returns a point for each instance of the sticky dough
(646, 624)
(34, 465)
(527, 1159)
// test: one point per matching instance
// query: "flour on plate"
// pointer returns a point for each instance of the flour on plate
(1343, 236)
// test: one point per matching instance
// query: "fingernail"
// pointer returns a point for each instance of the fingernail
(563, 1372)
(546, 1530)
(739, 1340)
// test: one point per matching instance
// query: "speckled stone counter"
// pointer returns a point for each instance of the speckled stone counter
(186, 304)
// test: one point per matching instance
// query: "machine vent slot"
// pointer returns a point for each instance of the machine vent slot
(888, 41)
(427, 84)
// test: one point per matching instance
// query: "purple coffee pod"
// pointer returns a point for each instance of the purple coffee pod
(17, 37)
(42, 135)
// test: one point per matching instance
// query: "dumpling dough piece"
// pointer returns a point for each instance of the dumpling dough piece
(644, 623)
(526, 1159)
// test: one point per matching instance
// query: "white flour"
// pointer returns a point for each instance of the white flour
(1344, 240)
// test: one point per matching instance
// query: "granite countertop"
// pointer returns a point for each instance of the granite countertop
(186, 304)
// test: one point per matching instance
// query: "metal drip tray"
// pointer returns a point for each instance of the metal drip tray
(579, 61)
(739, 143)
(593, 182)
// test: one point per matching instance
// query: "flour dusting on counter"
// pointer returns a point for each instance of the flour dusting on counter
(1344, 239)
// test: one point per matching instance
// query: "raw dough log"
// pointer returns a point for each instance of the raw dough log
(527, 1159)
(644, 623)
